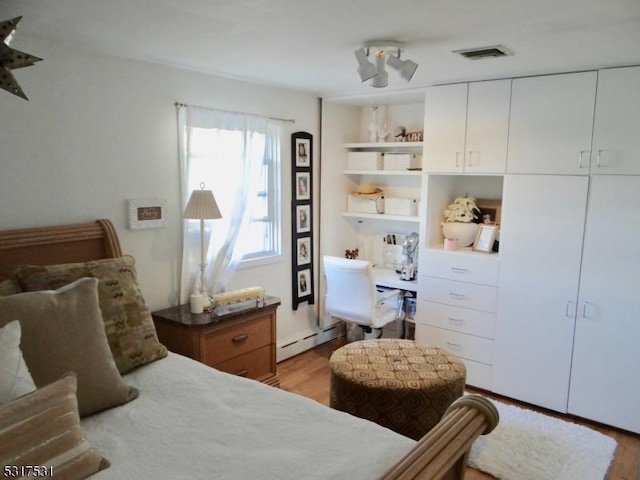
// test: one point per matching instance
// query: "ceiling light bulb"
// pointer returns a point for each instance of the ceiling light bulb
(366, 69)
(406, 68)
(381, 80)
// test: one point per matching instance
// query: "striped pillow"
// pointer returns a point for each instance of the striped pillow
(43, 429)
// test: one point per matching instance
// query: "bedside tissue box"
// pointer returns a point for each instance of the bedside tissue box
(357, 204)
(401, 161)
(401, 206)
(364, 161)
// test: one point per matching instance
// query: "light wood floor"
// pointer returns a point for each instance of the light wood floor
(307, 374)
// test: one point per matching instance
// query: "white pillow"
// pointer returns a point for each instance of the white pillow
(15, 379)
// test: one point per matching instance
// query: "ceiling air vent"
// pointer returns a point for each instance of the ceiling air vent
(484, 52)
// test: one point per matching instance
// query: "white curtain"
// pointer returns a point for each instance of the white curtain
(219, 149)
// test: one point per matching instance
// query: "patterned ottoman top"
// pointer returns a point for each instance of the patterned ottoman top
(392, 363)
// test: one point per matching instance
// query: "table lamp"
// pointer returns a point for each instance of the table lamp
(202, 206)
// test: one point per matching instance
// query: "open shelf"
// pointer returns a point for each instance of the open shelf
(403, 173)
(382, 216)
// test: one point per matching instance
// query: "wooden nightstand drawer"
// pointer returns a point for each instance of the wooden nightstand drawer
(219, 346)
(255, 364)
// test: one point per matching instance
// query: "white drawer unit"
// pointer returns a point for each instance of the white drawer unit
(477, 352)
(459, 294)
(463, 320)
(461, 266)
(457, 305)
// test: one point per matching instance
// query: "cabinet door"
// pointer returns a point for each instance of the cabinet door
(540, 252)
(487, 127)
(616, 143)
(605, 384)
(551, 124)
(445, 112)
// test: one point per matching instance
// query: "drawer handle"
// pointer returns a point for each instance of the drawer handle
(240, 338)
(457, 296)
(243, 373)
(459, 270)
(459, 321)
(454, 346)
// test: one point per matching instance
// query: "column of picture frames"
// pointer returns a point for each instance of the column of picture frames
(302, 218)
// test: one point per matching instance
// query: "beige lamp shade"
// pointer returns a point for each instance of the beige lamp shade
(202, 205)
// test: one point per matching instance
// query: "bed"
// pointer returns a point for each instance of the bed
(181, 419)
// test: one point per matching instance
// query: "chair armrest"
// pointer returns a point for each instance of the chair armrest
(444, 450)
(387, 295)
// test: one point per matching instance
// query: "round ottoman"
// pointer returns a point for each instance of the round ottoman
(396, 383)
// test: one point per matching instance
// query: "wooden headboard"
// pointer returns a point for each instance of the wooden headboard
(58, 244)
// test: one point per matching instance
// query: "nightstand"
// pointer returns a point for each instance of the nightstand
(240, 342)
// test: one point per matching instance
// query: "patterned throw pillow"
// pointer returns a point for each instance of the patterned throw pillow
(15, 379)
(42, 430)
(130, 330)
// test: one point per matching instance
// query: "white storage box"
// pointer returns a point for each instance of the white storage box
(401, 206)
(356, 204)
(401, 161)
(364, 161)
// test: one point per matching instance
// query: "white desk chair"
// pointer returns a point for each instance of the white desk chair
(352, 296)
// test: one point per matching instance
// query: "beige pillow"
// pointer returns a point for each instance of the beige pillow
(127, 320)
(15, 379)
(43, 429)
(62, 331)
(9, 287)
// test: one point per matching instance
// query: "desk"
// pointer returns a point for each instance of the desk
(389, 278)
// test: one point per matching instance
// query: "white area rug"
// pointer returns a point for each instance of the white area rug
(528, 445)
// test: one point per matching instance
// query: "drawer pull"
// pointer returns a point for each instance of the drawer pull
(243, 373)
(457, 296)
(459, 270)
(240, 338)
(454, 346)
(459, 321)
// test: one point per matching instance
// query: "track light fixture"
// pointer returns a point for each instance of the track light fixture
(383, 51)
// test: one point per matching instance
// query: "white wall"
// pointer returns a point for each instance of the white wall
(99, 130)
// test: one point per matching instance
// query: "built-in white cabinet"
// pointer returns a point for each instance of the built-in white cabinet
(466, 127)
(616, 138)
(540, 251)
(551, 124)
(605, 384)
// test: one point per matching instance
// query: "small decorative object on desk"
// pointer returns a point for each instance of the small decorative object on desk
(236, 300)
(351, 254)
(459, 220)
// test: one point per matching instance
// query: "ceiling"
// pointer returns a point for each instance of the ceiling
(308, 45)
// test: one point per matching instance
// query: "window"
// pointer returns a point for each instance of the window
(217, 158)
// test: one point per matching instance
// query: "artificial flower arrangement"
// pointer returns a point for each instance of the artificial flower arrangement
(463, 209)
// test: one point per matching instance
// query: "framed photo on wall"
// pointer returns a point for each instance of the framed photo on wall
(303, 152)
(304, 282)
(302, 288)
(303, 216)
(304, 249)
(302, 185)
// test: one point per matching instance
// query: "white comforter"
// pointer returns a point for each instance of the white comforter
(194, 422)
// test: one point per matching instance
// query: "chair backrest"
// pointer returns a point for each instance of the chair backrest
(351, 290)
